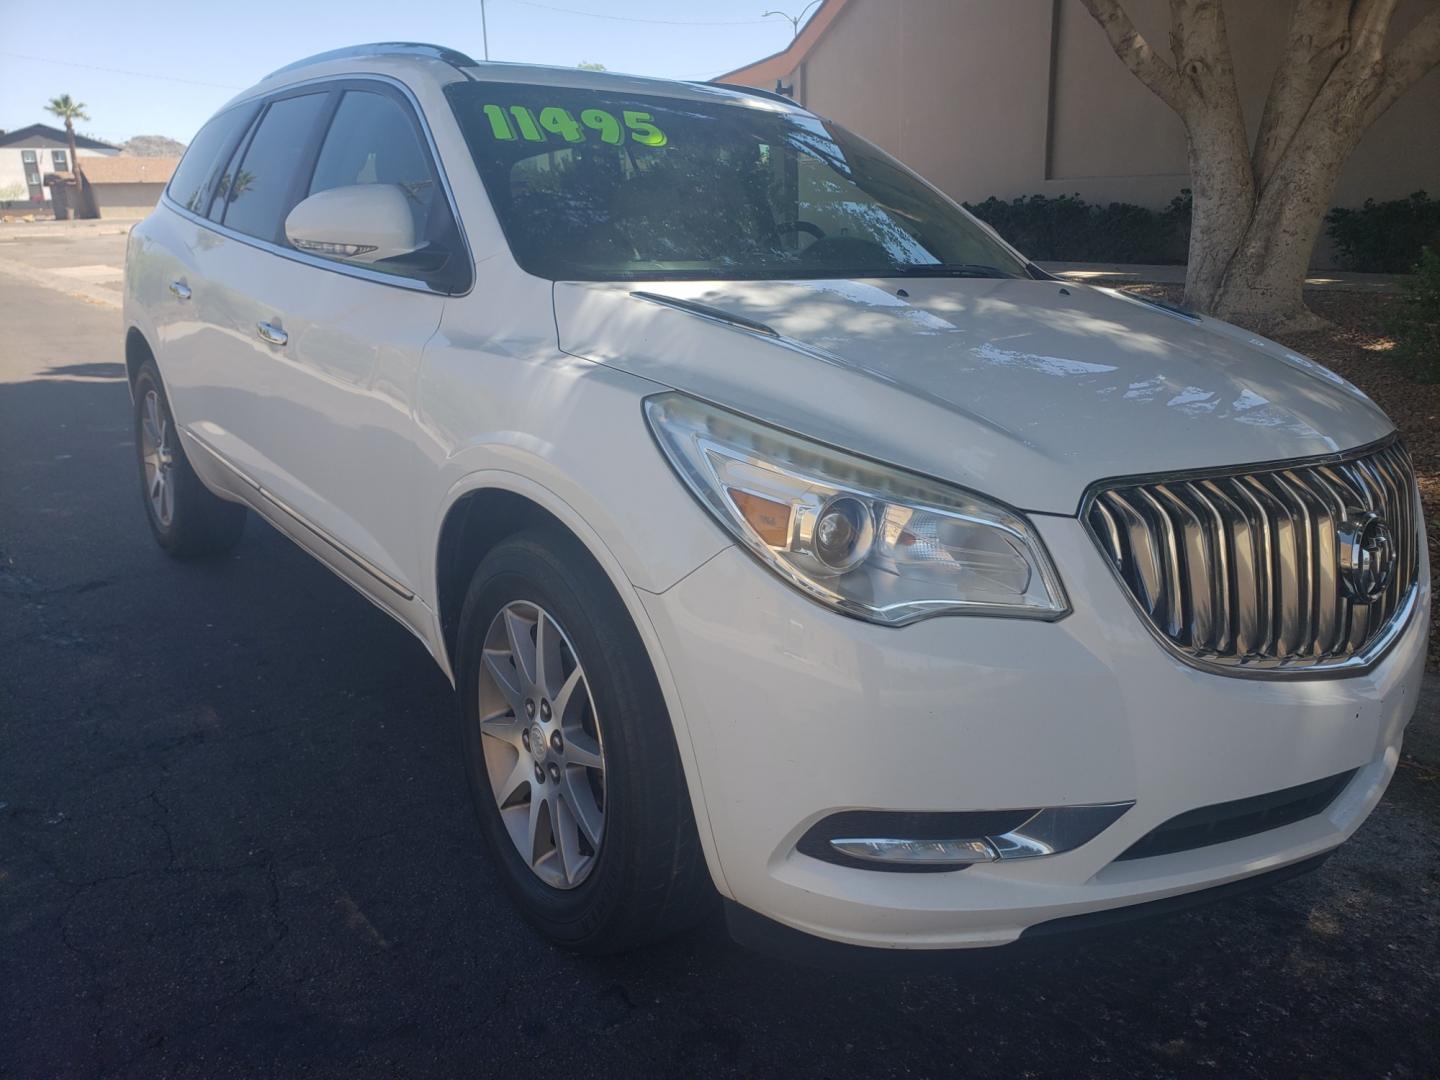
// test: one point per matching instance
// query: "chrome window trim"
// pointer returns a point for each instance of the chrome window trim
(1357, 664)
(363, 273)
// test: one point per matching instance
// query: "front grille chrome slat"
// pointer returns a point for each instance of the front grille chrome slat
(1172, 589)
(1264, 559)
(1241, 598)
(1394, 496)
(1330, 514)
(1216, 536)
(1238, 570)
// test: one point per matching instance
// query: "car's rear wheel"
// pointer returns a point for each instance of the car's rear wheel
(570, 754)
(186, 518)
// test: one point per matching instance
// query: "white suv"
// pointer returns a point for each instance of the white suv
(787, 535)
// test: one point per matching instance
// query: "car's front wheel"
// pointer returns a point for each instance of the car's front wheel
(186, 518)
(570, 753)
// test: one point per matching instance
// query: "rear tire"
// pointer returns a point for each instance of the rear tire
(186, 518)
(646, 877)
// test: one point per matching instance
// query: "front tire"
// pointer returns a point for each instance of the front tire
(570, 753)
(186, 518)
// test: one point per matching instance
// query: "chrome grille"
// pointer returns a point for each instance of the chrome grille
(1240, 570)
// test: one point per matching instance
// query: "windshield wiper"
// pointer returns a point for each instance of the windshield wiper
(971, 270)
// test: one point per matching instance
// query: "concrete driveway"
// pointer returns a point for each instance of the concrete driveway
(235, 841)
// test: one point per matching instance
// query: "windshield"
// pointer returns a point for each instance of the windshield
(594, 186)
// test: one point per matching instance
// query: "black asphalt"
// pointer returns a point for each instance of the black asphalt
(235, 841)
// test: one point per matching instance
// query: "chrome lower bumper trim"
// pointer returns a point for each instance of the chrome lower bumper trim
(1047, 831)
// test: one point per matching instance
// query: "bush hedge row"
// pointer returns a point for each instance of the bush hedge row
(1069, 229)
(1383, 237)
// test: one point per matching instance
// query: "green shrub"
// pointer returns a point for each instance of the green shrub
(1416, 324)
(1385, 237)
(1381, 237)
(1068, 229)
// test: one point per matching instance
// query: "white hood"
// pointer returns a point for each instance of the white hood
(1027, 391)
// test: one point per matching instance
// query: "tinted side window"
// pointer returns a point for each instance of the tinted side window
(372, 141)
(261, 191)
(190, 185)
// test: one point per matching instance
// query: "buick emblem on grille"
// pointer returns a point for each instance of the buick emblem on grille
(1367, 557)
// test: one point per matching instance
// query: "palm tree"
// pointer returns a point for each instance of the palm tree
(69, 110)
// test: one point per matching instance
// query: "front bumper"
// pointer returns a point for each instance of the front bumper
(796, 713)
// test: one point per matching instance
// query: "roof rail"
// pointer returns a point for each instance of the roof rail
(754, 91)
(452, 57)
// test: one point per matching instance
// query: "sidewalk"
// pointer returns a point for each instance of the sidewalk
(84, 259)
(51, 229)
(1143, 274)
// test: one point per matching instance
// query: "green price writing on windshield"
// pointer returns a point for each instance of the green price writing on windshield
(551, 120)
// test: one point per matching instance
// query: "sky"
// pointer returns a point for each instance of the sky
(145, 68)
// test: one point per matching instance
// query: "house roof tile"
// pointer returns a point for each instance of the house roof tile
(45, 135)
(129, 169)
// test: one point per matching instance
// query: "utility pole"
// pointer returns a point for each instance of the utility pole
(484, 32)
(793, 20)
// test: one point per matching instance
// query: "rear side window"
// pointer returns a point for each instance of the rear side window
(372, 141)
(262, 189)
(190, 186)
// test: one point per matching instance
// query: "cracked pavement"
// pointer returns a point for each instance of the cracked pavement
(235, 841)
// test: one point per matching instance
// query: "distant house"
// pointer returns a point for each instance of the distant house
(28, 154)
(128, 186)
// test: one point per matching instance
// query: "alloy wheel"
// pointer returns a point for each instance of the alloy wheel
(542, 745)
(159, 459)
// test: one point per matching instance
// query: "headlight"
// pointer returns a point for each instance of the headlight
(867, 540)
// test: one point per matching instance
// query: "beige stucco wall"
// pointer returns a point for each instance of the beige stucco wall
(1016, 97)
(126, 200)
(954, 88)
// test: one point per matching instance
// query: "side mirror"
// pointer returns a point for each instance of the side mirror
(362, 223)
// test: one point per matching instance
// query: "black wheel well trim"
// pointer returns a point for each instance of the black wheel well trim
(137, 351)
(474, 524)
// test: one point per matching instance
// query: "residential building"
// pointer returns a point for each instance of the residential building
(128, 186)
(1022, 97)
(28, 154)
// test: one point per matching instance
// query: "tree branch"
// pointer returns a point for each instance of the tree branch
(1369, 23)
(1318, 40)
(1202, 53)
(1407, 64)
(1138, 55)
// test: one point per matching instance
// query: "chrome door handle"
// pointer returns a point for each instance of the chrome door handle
(180, 289)
(271, 333)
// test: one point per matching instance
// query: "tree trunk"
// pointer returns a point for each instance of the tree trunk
(1224, 197)
(1257, 213)
(76, 209)
(1263, 285)
(74, 157)
(84, 201)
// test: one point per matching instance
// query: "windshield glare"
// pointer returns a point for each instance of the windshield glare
(594, 186)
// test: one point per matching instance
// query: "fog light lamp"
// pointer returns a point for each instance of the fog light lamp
(922, 852)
